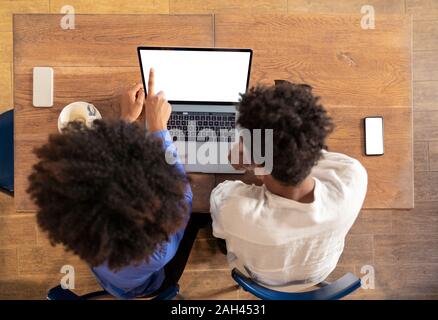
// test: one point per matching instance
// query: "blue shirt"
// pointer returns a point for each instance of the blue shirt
(145, 278)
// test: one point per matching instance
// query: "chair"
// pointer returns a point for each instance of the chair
(7, 151)
(58, 293)
(327, 291)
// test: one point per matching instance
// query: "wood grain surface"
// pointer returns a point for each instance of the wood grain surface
(345, 64)
(93, 63)
(103, 40)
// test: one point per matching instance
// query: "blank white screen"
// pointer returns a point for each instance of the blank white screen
(374, 136)
(197, 75)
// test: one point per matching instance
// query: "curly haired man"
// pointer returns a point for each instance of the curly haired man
(289, 232)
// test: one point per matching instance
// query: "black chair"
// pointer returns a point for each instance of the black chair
(58, 293)
(7, 151)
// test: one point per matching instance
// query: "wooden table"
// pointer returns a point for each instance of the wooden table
(357, 72)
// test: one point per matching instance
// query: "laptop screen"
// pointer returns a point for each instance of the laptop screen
(189, 75)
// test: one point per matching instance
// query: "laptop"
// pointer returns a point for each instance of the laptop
(202, 85)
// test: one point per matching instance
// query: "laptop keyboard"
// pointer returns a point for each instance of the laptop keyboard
(202, 126)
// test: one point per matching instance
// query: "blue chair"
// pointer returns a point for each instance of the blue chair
(58, 293)
(7, 151)
(327, 291)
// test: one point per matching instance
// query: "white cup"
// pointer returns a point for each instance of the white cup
(78, 111)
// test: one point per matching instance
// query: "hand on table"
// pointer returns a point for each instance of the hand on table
(157, 109)
(131, 102)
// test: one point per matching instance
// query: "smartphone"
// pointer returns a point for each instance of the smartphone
(42, 87)
(373, 136)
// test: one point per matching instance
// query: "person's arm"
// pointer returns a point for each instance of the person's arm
(344, 173)
(218, 197)
(170, 148)
(157, 114)
(157, 111)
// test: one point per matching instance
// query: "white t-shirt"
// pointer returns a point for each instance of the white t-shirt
(287, 244)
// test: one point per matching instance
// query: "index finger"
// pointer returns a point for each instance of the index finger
(151, 82)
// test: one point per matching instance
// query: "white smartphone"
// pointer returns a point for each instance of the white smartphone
(42, 87)
(374, 136)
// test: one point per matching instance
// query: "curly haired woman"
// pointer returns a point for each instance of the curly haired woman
(108, 195)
